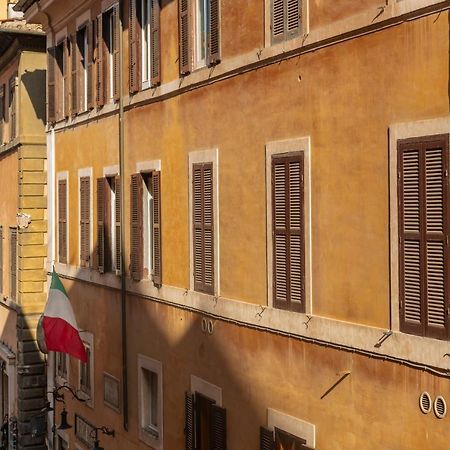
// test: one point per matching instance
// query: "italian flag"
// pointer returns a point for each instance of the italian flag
(59, 326)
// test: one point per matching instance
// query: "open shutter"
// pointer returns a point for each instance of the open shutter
(51, 66)
(213, 55)
(101, 192)
(137, 235)
(266, 441)
(293, 18)
(90, 65)
(155, 40)
(12, 107)
(134, 32)
(115, 52)
(156, 191)
(185, 40)
(189, 421)
(66, 74)
(218, 428)
(99, 85)
(117, 206)
(74, 81)
(62, 221)
(13, 263)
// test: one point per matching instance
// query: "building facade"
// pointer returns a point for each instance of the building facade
(247, 205)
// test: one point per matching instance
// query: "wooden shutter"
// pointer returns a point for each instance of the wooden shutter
(117, 206)
(115, 52)
(1, 260)
(2, 112)
(278, 21)
(85, 219)
(155, 39)
(286, 19)
(12, 108)
(203, 226)
(185, 39)
(62, 221)
(137, 234)
(90, 65)
(13, 263)
(423, 236)
(189, 421)
(213, 53)
(266, 441)
(288, 233)
(157, 258)
(134, 32)
(74, 50)
(100, 88)
(51, 73)
(66, 72)
(293, 18)
(218, 428)
(101, 194)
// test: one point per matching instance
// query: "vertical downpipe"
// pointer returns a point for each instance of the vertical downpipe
(123, 294)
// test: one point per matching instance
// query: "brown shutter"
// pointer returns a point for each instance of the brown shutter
(115, 52)
(51, 73)
(185, 39)
(423, 236)
(266, 441)
(12, 108)
(85, 219)
(100, 69)
(134, 32)
(293, 18)
(62, 221)
(137, 235)
(117, 206)
(189, 421)
(218, 428)
(155, 40)
(157, 257)
(278, 20)
(90, 65)
(2, 112)
(13, 263)
(288, 235)
(1, 260)
(66, 72)
(213, 53)
(203, 225)
(101, 193)
(74, 80)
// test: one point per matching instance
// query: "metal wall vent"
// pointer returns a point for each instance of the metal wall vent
(440, 407)
(425, 402)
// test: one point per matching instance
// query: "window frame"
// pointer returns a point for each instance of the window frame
(197, 33)
(88, 340)
(60, 378)
(146, 50)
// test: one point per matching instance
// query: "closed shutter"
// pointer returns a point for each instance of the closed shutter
(13, 263)
(423, 236)
(90, 65)
(115, 52)
(185, 39)
(157, 257)
(62, 221)
(278, 20)
(12, 108)
(2, 112)
(118, 200)
(218, 428)
(85, 244)
(66, 76)
(99, 85)
(137, 234)
(266, 441)
(101, 192)
(203, 226)
(155, 40)
(51, 73)
(286, 19)
(189, 421)
(74, 81)
(288, 233)
(293, 18)
(1, 260)
(213, 55)
(134, 32)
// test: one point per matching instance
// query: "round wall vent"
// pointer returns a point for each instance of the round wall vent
(440, 407)
(425, 402)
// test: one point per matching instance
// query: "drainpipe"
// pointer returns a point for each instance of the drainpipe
(123, 293)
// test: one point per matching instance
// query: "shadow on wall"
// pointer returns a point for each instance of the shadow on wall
(35, 84)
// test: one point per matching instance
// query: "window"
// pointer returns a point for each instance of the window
(86, 370)
(2, 113)
(58, 82)
(13, 263)
(80, 71)
(423, 235)
(108, 224)
(286, 19)
(12, 108)
(85, 221)
(85, 373)
(150, 399)
(280, 440)
(62, 367)
(108, 30)
(146, 226)
(205, 48)
(62, 221)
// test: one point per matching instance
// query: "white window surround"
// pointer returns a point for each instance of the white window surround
(206, 156)
(87, 172)
(144, 362)
(111, 171)
(207, 389)
(292, 425)
(148, 166)
(278, 148)
(9, 358)
(60, 36)
(88, 338)
(64, 175)
(398, 132)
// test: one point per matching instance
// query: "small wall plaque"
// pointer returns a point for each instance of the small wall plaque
(111, 391)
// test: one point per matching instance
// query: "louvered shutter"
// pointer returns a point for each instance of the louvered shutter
(157, 258)
(278, 21)
(286, 19)
(62, 221)
(213, 53)
(66, 76)
(293, 18)
(218, 428)
(13, 263)
(74, 80)
(137, 235)
(12, 108)
(288, 232)
(423, 236)
(2, 112)
(134, 33)
(155, 40)
(189, 421)
(100, 69)
(266, 441)
(51, 66)
(117, 205)
(101, 192)
(185, 39)
(1, 260)
(85, 244)
(115, 52)
(90, 66)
